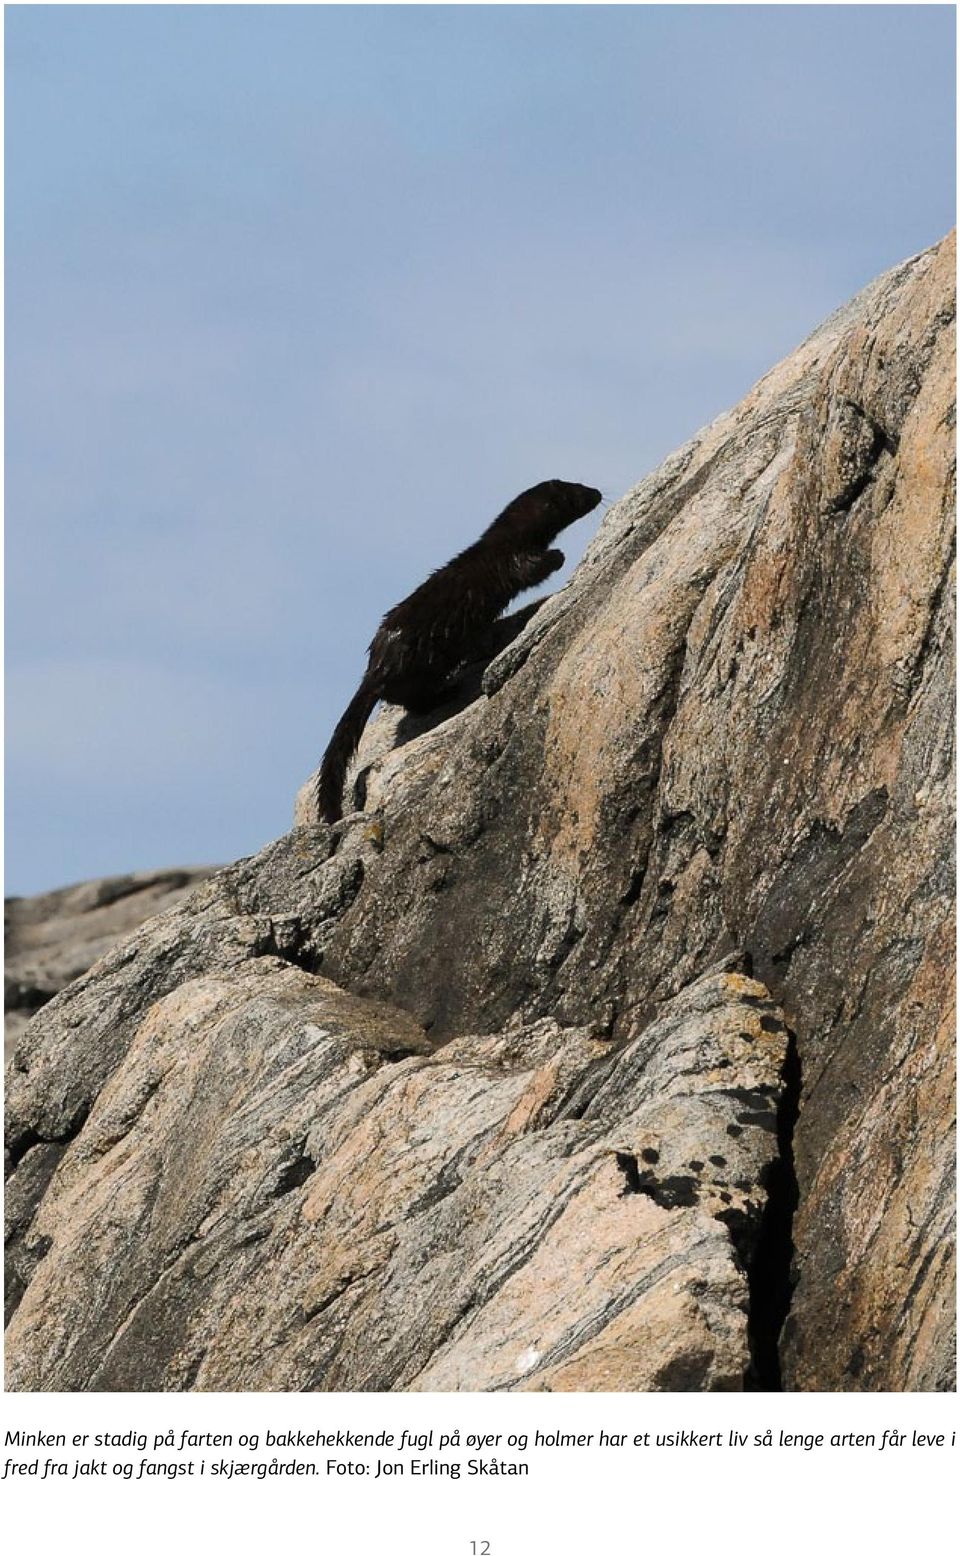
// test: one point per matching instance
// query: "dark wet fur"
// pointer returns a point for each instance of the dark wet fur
(425, 639)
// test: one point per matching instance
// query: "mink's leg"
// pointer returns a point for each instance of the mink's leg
(419, 693)
(542, 566)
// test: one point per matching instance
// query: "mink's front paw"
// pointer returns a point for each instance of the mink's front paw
(555, 559)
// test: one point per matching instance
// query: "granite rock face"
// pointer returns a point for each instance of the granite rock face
(306, 1196)
(684, 862)
(52, 938)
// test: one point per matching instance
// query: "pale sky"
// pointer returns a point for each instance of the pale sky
(299, 297)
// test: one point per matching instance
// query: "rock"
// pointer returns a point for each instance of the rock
(684, 863)
(52, 938)
(305, 1195)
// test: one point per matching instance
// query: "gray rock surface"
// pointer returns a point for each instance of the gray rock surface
(304, 1195)
(53, 937)
(685, 864)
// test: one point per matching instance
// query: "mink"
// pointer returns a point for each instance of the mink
(423, 641)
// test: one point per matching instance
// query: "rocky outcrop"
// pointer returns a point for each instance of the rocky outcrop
(683, 864)
(306, 1196)
(52, 938)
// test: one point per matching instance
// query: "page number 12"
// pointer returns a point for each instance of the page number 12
(479, 1548)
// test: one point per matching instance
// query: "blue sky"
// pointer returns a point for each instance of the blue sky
(299, 297)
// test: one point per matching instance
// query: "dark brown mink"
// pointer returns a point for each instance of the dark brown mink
(424, 640)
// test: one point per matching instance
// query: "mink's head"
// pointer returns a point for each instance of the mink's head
(539, 514)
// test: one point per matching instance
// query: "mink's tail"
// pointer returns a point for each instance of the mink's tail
(346, 738)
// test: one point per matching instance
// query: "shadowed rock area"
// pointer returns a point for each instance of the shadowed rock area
(609, 1046)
